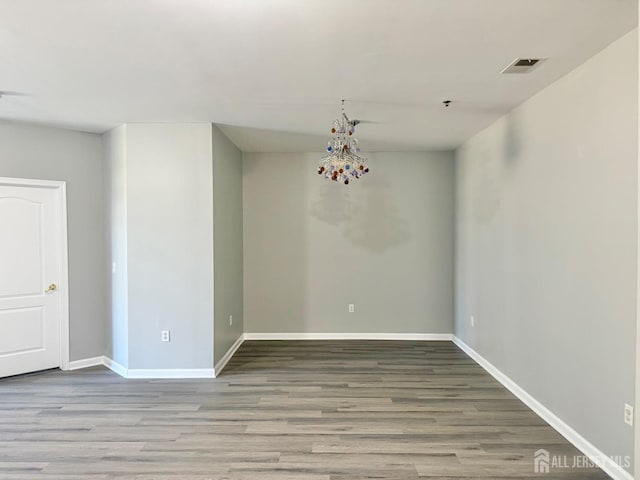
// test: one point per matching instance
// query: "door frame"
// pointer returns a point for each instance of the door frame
(60, 187)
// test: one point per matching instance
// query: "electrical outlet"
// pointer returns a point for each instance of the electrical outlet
(352, 308)
(230, 319)
(628, 414)
(166, 335)
(473, 321)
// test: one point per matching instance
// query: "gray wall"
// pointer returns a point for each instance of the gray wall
(227, 241)
(115, 174)
(546, 231)
(168, 244)
(28, 151)
(637, 380)
(383, 243)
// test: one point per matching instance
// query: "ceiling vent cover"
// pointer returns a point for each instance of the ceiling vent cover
(523, 65)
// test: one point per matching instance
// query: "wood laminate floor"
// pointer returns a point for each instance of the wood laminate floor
(291, 410)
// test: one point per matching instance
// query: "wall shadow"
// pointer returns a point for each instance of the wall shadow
(365, 212)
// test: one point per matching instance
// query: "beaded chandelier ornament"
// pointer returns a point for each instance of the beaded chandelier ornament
(343, 162)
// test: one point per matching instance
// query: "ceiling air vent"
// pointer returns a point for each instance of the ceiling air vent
(522, 65)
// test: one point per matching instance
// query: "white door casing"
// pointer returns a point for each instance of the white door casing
(34, 313)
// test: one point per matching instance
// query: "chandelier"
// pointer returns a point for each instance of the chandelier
(343, 162)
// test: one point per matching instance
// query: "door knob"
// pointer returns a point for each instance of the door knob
(52, 288)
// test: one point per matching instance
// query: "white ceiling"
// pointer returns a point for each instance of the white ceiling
(273, 71)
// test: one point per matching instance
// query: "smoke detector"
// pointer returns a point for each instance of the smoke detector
(523, 65)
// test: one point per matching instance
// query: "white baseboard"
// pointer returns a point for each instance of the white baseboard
(101, 360)
(115, 367)
(86, 363)
(616, 471)
(349, 336)
(171, 373)
(227, 356)
(150, 373)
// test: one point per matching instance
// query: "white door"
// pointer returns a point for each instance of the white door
(31, 256)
